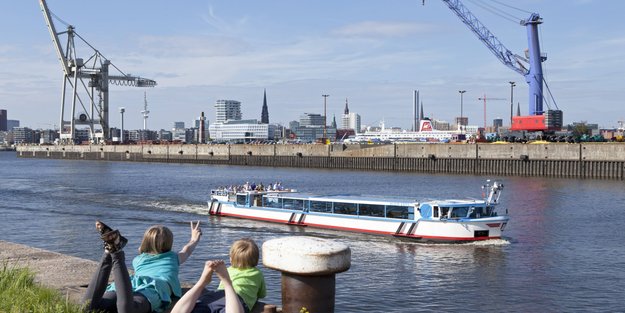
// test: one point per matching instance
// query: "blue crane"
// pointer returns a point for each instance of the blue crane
(530, 66)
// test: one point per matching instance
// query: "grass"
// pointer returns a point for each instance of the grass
(19, 293)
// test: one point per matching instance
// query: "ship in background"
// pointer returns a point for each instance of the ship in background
(426, 133)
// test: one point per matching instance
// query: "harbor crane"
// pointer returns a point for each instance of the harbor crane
(88, 80)
(530, 66)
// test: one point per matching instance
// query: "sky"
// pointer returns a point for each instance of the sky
(372, 53)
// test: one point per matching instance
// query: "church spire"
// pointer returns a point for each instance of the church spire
(264, 115)
(346, 107)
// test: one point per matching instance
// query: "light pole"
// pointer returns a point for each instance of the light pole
(122, 110)
(512, 84)
(461, 104)
(325, 97)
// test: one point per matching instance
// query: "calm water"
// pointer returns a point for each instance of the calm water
(563, 249)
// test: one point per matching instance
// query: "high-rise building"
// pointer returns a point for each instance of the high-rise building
(227, 110)
(179, 133)
(350, 120)
(264, 115)
(3, 120)
(497, 123)
(311, 119)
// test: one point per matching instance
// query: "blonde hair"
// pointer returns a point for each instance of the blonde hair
(157, 239)
(244, 253)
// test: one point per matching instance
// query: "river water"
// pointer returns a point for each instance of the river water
(563, 249)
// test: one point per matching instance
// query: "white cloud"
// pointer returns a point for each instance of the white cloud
(381, 29)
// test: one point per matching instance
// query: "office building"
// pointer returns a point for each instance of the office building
(23, 135)
(311, 119)
(242, 131)
(497, 123)
(351, 121)
(227, 110)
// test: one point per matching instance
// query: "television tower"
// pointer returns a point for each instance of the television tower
(145, 111)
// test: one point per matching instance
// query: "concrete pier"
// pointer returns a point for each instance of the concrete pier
(583, 160)
(70, 275)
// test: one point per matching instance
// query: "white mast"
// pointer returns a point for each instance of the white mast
(145, 111)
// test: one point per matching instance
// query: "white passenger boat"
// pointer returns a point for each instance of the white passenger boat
(453, 220)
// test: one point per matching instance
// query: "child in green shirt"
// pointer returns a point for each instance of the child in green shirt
(242, 284)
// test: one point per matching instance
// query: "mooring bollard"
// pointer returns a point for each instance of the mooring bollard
(308, 267)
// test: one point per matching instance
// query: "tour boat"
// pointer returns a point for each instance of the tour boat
(452, 220)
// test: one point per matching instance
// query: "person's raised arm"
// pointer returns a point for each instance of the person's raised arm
(188, 300)
(187, 250)
(233, 305)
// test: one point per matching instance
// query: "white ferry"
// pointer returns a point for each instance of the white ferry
(455, 220)
(426, 133)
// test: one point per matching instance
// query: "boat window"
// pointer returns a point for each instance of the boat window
(293, 204)
(345, 208)
(242, 199)
(393, 211)
(460, 212)
(272, 202)
(257, 200)
(320, 206)
(366, 209)
(435, 211)
(444, 211)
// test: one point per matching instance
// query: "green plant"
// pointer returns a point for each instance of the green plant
(19, 293)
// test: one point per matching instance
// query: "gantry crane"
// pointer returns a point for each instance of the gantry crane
(529, 66)
(88, 77)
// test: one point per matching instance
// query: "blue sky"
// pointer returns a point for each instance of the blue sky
(374, 53)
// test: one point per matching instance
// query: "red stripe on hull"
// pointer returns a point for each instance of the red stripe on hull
(357, 230)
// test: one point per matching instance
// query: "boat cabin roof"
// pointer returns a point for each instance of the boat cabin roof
(365, 199)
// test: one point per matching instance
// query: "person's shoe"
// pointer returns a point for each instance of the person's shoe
(113, 241)
(102, 228)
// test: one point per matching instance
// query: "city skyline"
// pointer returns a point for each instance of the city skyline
(373, 53)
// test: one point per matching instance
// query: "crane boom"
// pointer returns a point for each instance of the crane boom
(533, 71)
(506, 56)
(55, 36)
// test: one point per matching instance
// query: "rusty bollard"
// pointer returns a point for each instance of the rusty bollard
(308, 267)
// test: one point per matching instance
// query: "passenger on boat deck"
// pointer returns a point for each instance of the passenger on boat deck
(246, 186)
(253, 186)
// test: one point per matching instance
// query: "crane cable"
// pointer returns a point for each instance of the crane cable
(86, 42)
(496, 11)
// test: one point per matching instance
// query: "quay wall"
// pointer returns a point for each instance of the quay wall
(583, 160)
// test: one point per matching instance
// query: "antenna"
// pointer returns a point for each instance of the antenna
(145, 111)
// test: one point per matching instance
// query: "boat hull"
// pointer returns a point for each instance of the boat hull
(443, 230)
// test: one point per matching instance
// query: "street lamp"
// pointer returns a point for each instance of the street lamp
(512, 84)
(325, 97)
(461, 104)
(122, 110)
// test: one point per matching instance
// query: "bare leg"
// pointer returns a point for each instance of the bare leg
(188, 300)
